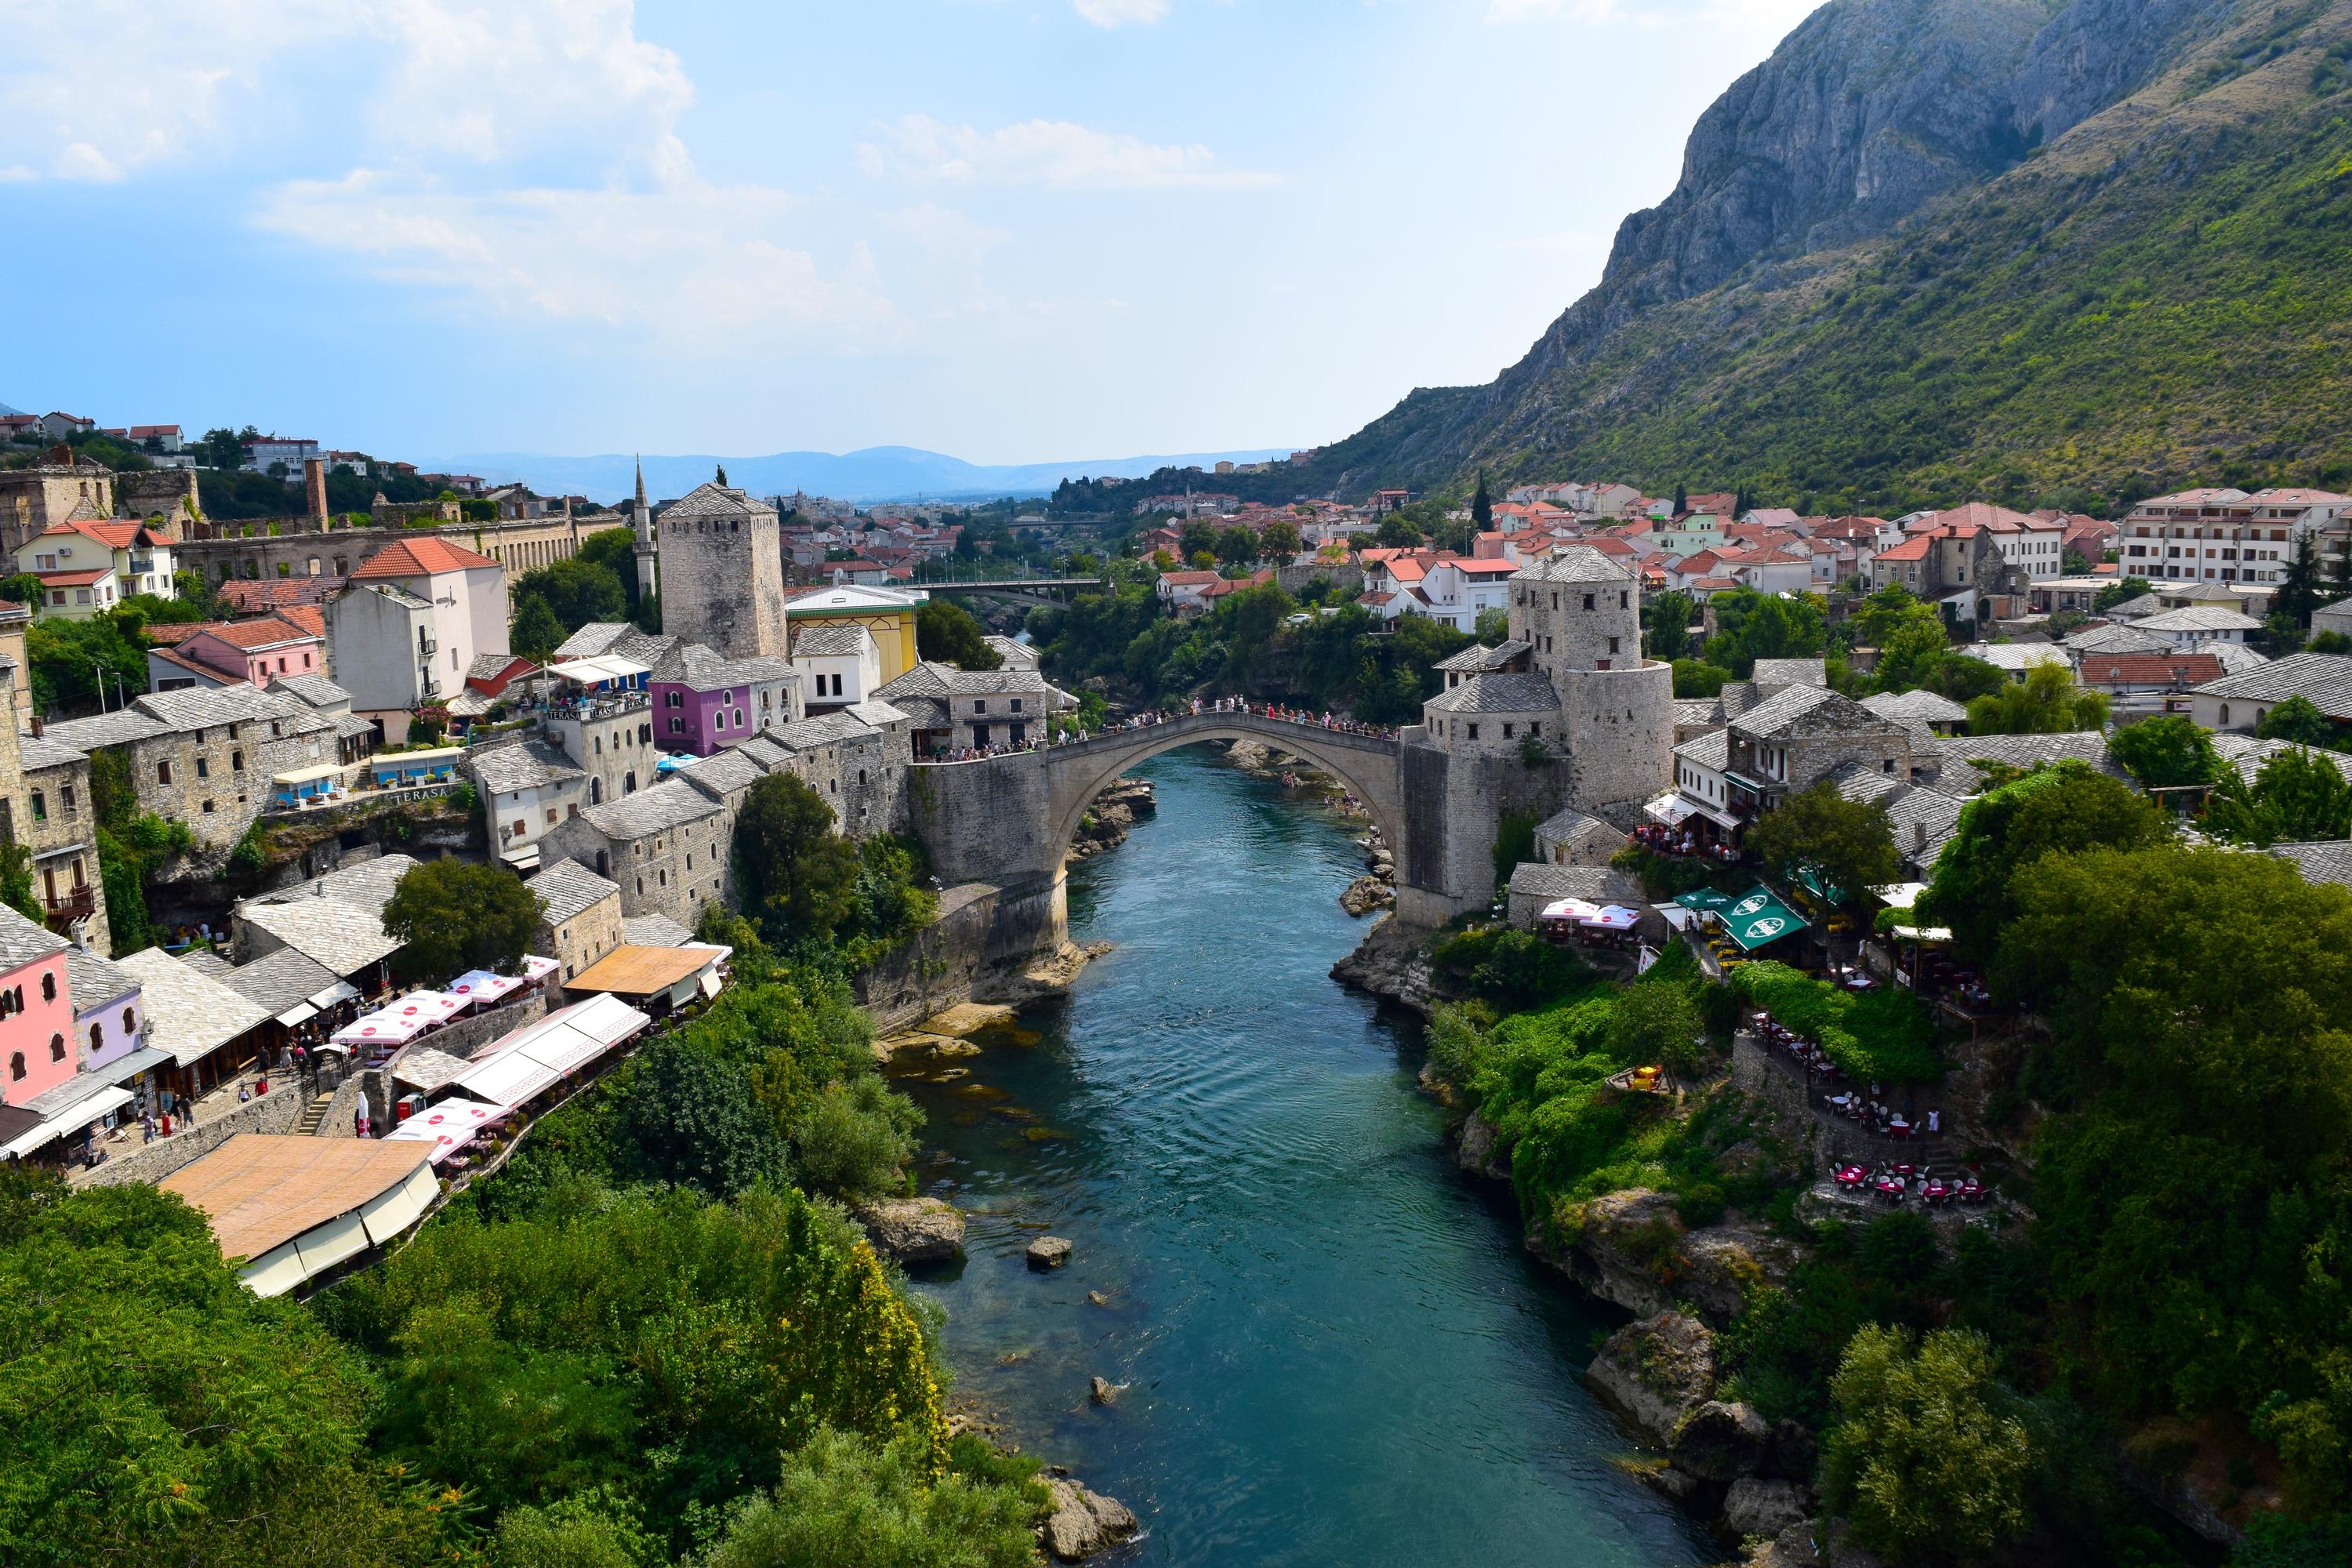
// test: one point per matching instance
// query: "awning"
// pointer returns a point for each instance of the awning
(71, 1118)
(1924, 933)
(482, 988)
(401, 1021)
(1760, 918)
(448, 1126)
(1899, 895)
(1670, 808)
(537, 968)
(1569, 909)
(1810, 878)
(144, 1060)
(339, 992)
(711, 983)
(530, 1061)
(1703, 899)
(298, 1015)
(1615, 917)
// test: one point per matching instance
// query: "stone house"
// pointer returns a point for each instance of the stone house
(1789, 741)
(703, 702)
(856, 760)
(951, 709)
(1571, 838)
(580, 916)
(667, 846)
(206, 757)
(415, 616)
(839, 663)
(58, 825)
(610, 740)
(61, 486)
(2239, 701)
(527, 787)
(722, 574)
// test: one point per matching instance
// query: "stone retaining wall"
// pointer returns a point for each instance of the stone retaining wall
(276, 1112)
(986, 933)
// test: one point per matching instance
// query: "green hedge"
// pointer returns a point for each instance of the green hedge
(1884, 1036)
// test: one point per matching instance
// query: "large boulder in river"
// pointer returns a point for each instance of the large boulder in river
(1083, 1523)
(1631, 1247)
(1656, 1372)
(1722, 1442)
(913, 1230)
(1048, 1252)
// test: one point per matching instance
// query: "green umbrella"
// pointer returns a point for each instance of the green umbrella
(1760, 917)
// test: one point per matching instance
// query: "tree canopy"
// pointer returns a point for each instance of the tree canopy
(452, 916)
(1919, 1459)
(948, 633)
(2046, 702)
(2167, 751)
(798, 878)
(2299, 795)
(577, 589)
(2061, 808)
(1848, 844)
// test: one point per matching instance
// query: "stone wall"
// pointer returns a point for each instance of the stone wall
(299, 549)
(1620, 731)
(159, 492)
(276, 1112)
(985, 937)
(1345, 576)
(984, 820)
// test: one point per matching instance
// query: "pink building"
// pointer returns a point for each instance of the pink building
(255, 652)
(37, 1019)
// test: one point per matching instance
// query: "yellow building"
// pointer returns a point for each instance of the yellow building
(887, 615)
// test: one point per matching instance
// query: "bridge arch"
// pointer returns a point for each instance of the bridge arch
(1366, 764)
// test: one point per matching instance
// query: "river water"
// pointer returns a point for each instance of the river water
(1334, 1350)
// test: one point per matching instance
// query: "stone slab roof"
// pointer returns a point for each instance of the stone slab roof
(2117, 640)
(1790, 672)
(1600, 884)
(1573, 563)
(2201, 618)
(654, 931)
(1530, 694)
(1691, 711)
(280, 981)
(2324, 679)
(1944, 763)
(825, 730)
(567, 888)
(96, 981)
(1711, 750)
(1921, 706)
(723, 773)
(2329, 860)
(527, 765)
(673, 803)
(189, 1013)
(1806, 710)
(1479, 657)
(316, 690)
(24, 942)
(836, 639)
(38, 753)
(2248, 755)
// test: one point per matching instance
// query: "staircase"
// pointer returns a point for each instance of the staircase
(314, 1114)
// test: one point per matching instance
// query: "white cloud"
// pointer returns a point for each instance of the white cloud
(1121, 13)
(692, 267)
(1053, 154)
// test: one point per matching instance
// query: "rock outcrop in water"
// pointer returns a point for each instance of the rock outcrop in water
(913, 1230)
(1083, 1522)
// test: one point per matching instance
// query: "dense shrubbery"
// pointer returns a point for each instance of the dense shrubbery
(1512, 969)
(1884, 1036)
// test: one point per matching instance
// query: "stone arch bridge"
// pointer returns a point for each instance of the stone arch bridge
(1009, 819)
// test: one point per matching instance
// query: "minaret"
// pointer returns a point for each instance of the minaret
(646, 581)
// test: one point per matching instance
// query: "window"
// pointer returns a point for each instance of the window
(66, 798)
(1474, 731)
(204, 767)
(1507, 729)
(677, 725)
(162, 773)
(130, 1020)
(48, 987)
(237, 762)
(40, 806)
(97, 1040)
(16, 1064)
(673, 698)
(980, 706)
(57, 1048)
(1588, 601)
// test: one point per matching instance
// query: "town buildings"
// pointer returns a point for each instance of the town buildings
(255, 652)
(86, 564)
(411, 624)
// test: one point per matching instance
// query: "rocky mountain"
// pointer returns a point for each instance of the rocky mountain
(1877, 276)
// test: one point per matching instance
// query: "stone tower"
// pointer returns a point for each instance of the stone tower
(723, 573)
(647, 583)
(1579, 614)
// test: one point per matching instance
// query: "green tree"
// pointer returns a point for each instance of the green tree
(1668, 618)
(22, 588)
(537, 632)
(1493, 626)
(615, 550)
(579, 591)
(695, 1120)
(1397, 533)
(1482, 510)
(1847, 845)
(16, 890)
(1236, 545)
(596, 1529)
(2299, 797)
(1659, 1022)
(2046, 702)
(799, 878)
(1694, 678)
(1279, 539)
(2119, 592)
(843, 1503)
(1962, 679)
(451, 916)
(2065, 808)
(1918, 1458)
(1752, 626)
(854, 1138)
(2299, 592)
(948, 633)
(2167, 751)
(2299, 720)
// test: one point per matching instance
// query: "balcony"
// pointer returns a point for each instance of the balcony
(73, 904)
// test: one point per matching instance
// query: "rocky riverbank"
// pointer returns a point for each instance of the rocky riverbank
(1392, 962)
(1112, 816)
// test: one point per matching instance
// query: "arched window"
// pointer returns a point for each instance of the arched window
(16, 1064)
(57, 1048)
(130, 1020)
(97, 1039)
(48, 987)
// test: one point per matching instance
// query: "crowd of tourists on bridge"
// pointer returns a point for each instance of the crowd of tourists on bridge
(1338, 724)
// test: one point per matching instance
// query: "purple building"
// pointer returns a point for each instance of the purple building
(705, 703)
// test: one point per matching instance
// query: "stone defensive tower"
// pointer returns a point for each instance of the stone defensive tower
(723, 573)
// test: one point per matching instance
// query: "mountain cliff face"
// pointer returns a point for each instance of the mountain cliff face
(1881, 134)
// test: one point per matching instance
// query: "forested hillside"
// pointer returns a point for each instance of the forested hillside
(1928, 252)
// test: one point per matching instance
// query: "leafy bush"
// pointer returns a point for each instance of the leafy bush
(1886, 1036)
(1919, 1459)
(1512, 969)
(840, 1503)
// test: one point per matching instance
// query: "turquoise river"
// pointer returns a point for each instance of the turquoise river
(1333, 1348)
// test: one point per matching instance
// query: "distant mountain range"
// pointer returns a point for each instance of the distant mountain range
(873, 473)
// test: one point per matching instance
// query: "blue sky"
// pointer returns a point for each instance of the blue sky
(1013, 232)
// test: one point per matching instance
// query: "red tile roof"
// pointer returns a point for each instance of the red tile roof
(73, 579)
(419, 558)
(262, 631)
(113, 535)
